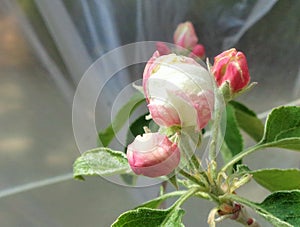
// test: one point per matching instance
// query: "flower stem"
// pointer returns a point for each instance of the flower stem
(239, 156)
(185, 196)
(191, 178)
(219, 106)
(213, 143)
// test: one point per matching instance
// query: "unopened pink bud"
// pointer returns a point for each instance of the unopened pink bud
(231, 66)
(198, 51)
(185, 35)
(153, 155)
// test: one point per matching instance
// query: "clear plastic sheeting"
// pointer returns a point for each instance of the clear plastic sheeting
(242, 23)
(108, 24)
(47, 45)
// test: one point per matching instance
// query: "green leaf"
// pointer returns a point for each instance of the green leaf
(148, 217)
(283, 128)
(154, 203)
(100, 161)
(233, 137)
(282, 208)
(248, 121)
(107, 135)
(278, 179)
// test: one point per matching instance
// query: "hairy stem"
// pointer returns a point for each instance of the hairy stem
(185, 196)
(191, 178)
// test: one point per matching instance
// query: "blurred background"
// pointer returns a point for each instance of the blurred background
(47, 45)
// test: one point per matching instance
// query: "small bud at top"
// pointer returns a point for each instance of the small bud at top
(231, 66)
(185, 35)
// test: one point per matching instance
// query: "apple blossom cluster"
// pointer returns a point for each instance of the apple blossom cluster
(186, 101)
(180, 93)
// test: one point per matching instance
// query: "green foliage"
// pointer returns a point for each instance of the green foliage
(100, 161)
(283, 128)
(233, 137)
(281, 208)
(148, 217)
(107, 135)
(248, 121)
(278, 179)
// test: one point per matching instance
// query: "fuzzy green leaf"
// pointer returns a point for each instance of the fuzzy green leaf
(282, 208)
(107, 135)
(283, 128)
(248, 121)
(277, 179)
(148, 217)
(100, 161)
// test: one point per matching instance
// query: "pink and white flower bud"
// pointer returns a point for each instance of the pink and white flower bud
(159, 110)
(231, 66)
(149, 68)
(185, 35)
(179, 91)
(198, 51)
(153, 155)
